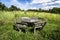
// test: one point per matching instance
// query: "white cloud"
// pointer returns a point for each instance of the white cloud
(22, 6)
(19, 5)
(49, 7)
(43, 4)
(57, 1)
(40, 1)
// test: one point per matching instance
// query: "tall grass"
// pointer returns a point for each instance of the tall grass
(47, 33)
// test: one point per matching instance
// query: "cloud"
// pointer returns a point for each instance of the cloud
(19, 5)
(47, 4)
(24, 6)
(33, 4)
(40, 1)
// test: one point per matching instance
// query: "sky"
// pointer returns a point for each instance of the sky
(32, 4)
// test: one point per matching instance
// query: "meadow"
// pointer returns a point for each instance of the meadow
(51, 31)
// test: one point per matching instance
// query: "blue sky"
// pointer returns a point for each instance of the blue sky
(32, 4)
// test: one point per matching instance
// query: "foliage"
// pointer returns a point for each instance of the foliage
(55, 10)
(14, 8)
(4, 8)
(50, 32)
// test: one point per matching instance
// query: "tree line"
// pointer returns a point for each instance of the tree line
(14, 8)
(53, 10)
(11, 8)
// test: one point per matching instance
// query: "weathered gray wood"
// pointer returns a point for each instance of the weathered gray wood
(25, 21)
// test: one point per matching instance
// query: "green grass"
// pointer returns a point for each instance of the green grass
(49, 32)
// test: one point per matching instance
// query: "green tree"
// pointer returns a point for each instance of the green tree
(12, 8)
(2, 7)
(54, 10)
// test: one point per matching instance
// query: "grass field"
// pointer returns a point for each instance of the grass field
(50, 32)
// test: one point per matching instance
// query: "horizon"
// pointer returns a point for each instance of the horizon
(32, 4)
